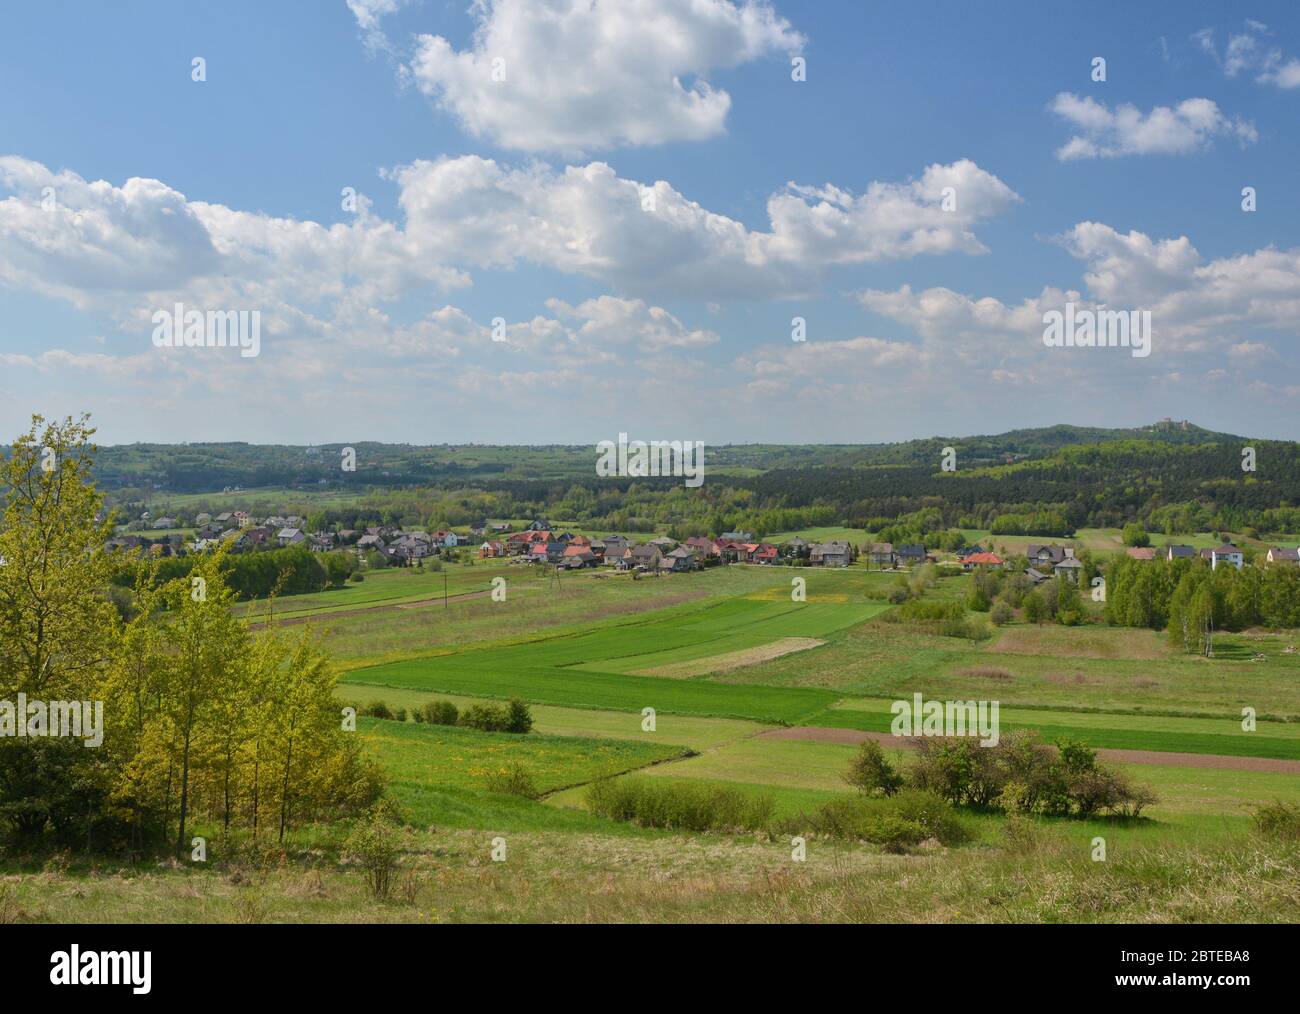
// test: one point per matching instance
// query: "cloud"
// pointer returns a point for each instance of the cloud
(1248, 52)
(573, 75)
(1198, 307)
(650, 239)
(369, 14)
(126, 250)
(611, 321)
(1190, 126)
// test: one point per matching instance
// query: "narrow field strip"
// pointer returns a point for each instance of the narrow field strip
(733, 659)
(610, 691)
(1275, 740)
(1221, 762)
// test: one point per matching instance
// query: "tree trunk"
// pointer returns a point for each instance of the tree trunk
(185, 796)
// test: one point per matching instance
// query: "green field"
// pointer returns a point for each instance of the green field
(1115, 731)
(392, 587)
(596, 667)
(681, 730)
(579, 651)
(438, 773)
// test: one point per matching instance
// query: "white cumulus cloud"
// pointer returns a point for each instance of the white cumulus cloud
(1126, 130)
(577, 75)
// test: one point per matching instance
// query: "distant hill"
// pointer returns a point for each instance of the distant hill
(1172, 476)
(210, 467)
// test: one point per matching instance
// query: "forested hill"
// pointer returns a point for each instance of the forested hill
(1172, 475)
(209, 467)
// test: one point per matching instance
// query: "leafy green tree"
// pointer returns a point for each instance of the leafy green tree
(1136, 535)
(57, 627)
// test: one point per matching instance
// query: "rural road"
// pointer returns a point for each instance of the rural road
(1221, 762)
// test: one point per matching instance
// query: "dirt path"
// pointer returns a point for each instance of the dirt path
(732, 660)
(376, 608)
(1221, 762)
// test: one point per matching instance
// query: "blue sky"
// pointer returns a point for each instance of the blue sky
(523, 201)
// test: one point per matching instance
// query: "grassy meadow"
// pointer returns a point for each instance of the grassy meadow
(749, 687)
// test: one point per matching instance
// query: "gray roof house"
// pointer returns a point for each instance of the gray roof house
(1046, 554)
(830, 554)
(1069, 568)
(914, 553)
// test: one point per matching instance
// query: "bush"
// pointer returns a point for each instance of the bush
(1021, 775)
(1001, 613)
(895, 823)
(683, 806)
(377, 709)
(1023, 834)
(971, 628)
(399, 715)
(440, 713)
(1136, 535)
(871, 773)
(514, 717)
(513, 780)
(375, 844)
(356, 576)
(1035, 607)
(1279, 821)
(519, 717)
(485, 717)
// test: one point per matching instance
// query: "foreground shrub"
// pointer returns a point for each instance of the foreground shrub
(375, 845)
(1022, 834)
(895, 823)
(681, 806)
(1279, 821)
(513, 780)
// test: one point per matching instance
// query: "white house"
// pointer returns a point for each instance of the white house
(1223, 554)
